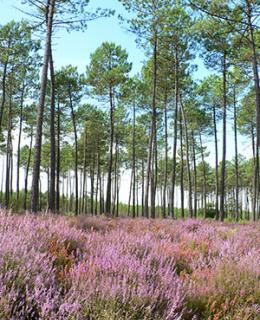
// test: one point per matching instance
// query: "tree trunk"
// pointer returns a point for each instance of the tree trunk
(84, 171)
(142, 187)
(190, 210)
(110, 163)
(133, 163)
(216, 162)
(204, 178)
(256, 212)
(19, 146)
(195, 174)
(236, 158)
(8, 151)
(166, 157)
(92, 176)
(150, 179)
(76, 153)
(98, 178)
(27, 171)
(3, 100)
(58, 159)
(52, 137)
(175, 134)
(223, 167)
(40, 110)
(154, 170)
(130, 195)
(182, 170)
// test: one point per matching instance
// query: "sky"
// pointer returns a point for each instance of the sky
(75, 48)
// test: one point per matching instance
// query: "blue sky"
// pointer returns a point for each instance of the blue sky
(75, 48)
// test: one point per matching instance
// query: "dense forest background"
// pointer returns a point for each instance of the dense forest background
(78, 133)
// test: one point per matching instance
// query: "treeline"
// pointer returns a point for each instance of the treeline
(155, 125)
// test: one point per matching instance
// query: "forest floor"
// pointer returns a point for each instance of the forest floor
(57, 267)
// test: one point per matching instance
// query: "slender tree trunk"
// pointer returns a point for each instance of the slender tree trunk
(11, 173)
(133, 163)
(223, 167)
(190, 210)
(3, 98)
(256, 212)
(204, 178)
(130, 195)
(166, 157)
(7, 176)
(142, 187)
(148, 175)
(86, 194)
(116, 177)
(110, 163)
(80, 189)
(236, 157)
(19, 145)
(216, 162)
(58, 159)
(27, 171)
(8, 150)
(40, 110)
(137, 189)
(97, 180)
(154, 170)
(182, 170)
(76, 152)
(92, 176)
(117, 197)
(2, 183)
(84, 170)
(100, 193)
(175, 139)
(195, 174)
(52, 137)
(150, 178)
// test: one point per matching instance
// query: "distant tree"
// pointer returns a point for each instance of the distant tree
(107, 72)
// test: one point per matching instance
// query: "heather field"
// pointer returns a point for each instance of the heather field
(54, 267)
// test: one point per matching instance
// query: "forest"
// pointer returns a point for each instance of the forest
(76, 134)
(130, 193)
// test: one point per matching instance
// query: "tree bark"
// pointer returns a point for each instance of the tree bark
(224, 142)
(204, 178)
(19, 145)
(84, 170)
(150, 179)
(195, 174)
(133, 163)
(75, 153)
(256, 212)
(175, 139)
(52, 137)
(216, 162)
(58, 159)
(166, 157)
(40, 111)
(182, 170)
(236, 157)
(8, 150)
(190, 210)
(27, 171)
(110, 163)
(3, 100)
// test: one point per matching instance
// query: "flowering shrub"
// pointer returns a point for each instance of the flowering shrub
(55, 267)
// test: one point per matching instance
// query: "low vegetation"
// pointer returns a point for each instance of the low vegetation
(57, 267)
